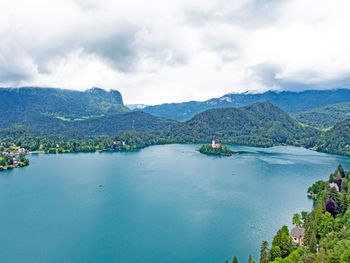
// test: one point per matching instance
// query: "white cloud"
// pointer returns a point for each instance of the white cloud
(166, 51)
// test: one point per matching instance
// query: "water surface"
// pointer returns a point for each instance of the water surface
(160, 204)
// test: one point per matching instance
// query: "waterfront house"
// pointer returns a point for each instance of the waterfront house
(21, 150)
(335, 186)
(297, 234)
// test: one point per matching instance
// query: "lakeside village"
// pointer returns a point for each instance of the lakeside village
(12, 157)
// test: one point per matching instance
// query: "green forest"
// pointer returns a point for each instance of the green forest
(325, 117)
(335, 140)
(260, 124)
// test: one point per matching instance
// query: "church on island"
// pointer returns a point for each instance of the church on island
(214, 144)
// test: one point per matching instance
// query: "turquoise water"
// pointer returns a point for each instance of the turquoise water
(160, 204)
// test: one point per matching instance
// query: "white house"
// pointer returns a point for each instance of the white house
(335, 186)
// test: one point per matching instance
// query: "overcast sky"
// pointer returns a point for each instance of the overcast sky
(167, 51)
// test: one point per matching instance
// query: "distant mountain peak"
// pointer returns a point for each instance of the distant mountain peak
(136, 106)
(290, 101)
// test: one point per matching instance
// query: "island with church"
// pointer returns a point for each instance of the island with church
(216, 149)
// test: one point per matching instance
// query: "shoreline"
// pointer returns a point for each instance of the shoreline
(14, 166)
(241, 145)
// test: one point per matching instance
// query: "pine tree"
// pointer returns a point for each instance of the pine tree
(275, 252)
(341, 171)
(264, 255)
(343, 204)
(312, 241)
(283, 241)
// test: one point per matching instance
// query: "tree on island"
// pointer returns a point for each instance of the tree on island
(220, 150)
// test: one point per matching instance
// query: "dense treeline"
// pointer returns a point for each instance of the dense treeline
(76, 142)
(326, 116)
(5, 160)
(94, 126)
(335, 140)
(326, 229)
(259, 124)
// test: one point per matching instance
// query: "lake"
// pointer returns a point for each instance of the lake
(160, 204)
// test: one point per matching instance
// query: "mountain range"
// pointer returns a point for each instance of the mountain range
(95, 112)
(289, 101)
(67, 104)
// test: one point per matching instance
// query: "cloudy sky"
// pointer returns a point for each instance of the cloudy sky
(166, 51)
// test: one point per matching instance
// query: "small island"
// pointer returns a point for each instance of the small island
(216, 149)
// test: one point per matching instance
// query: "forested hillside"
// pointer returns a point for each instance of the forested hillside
(326, 116)
(259, 124)
(325, 230)
(291, 102)
(336, 140)
(104, 125)
(69, 104)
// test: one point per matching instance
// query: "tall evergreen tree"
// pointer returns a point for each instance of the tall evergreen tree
(264, 253)
(312, 241)
(340, 170)
(284, 242)
(343, 203)
(275, 252)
